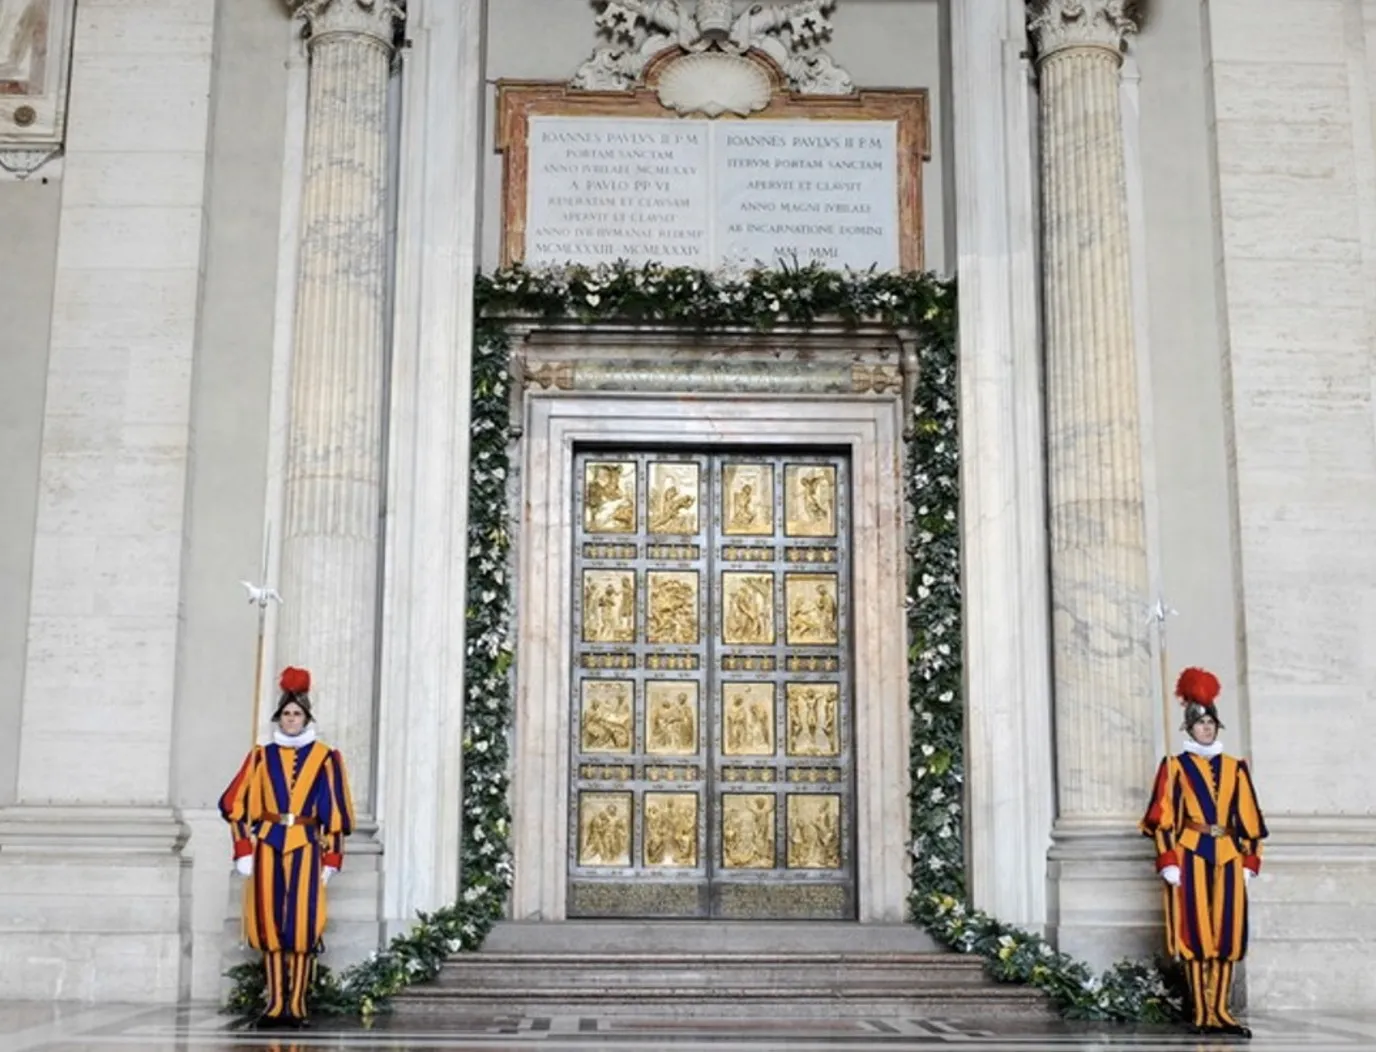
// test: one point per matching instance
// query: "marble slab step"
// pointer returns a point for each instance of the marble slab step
(709, 971)
(891, 1000)
(630, 937)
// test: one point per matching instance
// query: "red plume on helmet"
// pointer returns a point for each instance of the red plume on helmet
(295, 680)
(1197, 685)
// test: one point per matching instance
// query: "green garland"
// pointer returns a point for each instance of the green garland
(759, 299)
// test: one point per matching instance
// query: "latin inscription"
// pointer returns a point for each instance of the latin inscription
(694, 193)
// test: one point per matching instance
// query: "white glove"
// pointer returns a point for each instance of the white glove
(244, 866)
(1171, 875)
(1247, 876)
(327, 873)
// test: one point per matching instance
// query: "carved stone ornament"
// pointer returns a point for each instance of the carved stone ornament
(19, 163)
(713, 82)
(709, 72)
(375, 19)
(1060, 24)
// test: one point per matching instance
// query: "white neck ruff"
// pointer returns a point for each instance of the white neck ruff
(306, 737)
(1207, 751)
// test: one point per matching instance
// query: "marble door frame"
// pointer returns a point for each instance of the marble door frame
(870, 431)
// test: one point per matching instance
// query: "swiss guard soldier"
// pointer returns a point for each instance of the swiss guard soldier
(289, 808)
(1208, 830)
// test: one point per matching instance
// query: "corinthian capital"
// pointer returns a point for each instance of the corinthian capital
(1061, 24)
(375, 19)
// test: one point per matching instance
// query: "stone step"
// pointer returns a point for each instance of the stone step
(708, 971)
(710, 936)
(717, 969)
(810, 1002)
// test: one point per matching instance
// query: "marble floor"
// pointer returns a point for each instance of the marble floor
(197, 1028)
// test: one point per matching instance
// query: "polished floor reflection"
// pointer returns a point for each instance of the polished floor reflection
(81, 1028)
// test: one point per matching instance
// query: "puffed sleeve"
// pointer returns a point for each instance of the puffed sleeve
(1249, 820)
(234, 803)
(1159, 821)
(337, 812)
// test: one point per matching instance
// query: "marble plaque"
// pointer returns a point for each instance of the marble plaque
(603, 189)
(685, 193)
(799, 192)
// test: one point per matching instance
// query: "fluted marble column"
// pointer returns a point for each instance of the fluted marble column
(334, 457)
(1104, 703)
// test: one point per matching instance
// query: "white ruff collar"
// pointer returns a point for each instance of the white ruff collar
(1206, 751)
(306, 737)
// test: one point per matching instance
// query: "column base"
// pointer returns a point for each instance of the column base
(356, 926)
(92, 904)
(1103, 895)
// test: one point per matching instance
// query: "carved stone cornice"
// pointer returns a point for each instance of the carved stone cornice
(374, 20)
(1058, 25)
(828, 358)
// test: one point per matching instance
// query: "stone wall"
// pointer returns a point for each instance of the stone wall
(1292, 83)
(89, 848)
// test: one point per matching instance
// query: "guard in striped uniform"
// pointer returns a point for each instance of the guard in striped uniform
(1208, 831)
(290, 809)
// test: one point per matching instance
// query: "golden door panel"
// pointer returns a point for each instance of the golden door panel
(673, 499)
(747, 717)
(711, 772)
(812, 719)
(812, 608)
(747, 609)
(604, 829)
(747, 831)
(814, 831)
(608, 606)
(608, 716)
(673, 613)
(810, 500)
(671, 829)
(609, 491)
(748, 500)
(671, 720)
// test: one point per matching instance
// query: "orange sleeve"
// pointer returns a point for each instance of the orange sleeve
(1159, 821)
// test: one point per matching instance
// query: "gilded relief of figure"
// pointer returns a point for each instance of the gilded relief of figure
(607, 716)
(748, 719)
(749, 499)
(810, 493)
(671, 829)
(812, 609)
(748, 608)
(609, 606)
(671, 718)
(814, 832)
(673, 614)
(604, 829)
(674, 499)
(812, 719)
(747, 834)
(609, 498)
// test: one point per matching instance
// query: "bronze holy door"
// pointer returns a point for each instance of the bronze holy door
(711, 709)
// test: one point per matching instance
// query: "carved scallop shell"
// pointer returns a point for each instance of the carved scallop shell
(714, 83)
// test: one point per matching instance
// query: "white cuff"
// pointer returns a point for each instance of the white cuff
(1171, 875)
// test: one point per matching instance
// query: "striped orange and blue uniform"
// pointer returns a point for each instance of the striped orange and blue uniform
(1204, 819)
(284, 901)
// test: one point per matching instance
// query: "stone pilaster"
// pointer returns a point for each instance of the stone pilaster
(334, 457)
(1104, 701)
